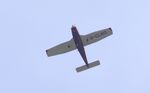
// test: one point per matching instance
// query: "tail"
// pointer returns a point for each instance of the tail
(90, 65)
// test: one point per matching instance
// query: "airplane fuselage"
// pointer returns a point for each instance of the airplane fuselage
(79, 43)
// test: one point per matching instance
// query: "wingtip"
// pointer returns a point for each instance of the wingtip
(110, 29)
(47, 52)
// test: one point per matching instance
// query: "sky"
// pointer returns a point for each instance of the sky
(29, 27)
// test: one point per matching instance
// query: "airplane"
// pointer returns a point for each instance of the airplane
(78, 42)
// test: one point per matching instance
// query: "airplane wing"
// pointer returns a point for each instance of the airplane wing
(86, 39)
(62, 48)
(96, 36)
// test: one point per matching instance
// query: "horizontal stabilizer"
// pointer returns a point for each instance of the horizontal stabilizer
(85, 67)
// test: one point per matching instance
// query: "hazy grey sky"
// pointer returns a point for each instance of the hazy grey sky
(29, 27)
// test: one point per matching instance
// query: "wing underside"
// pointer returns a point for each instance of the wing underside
(62, 48)
(95, 36)
(86, 39)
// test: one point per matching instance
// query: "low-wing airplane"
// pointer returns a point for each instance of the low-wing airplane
(78, 42)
